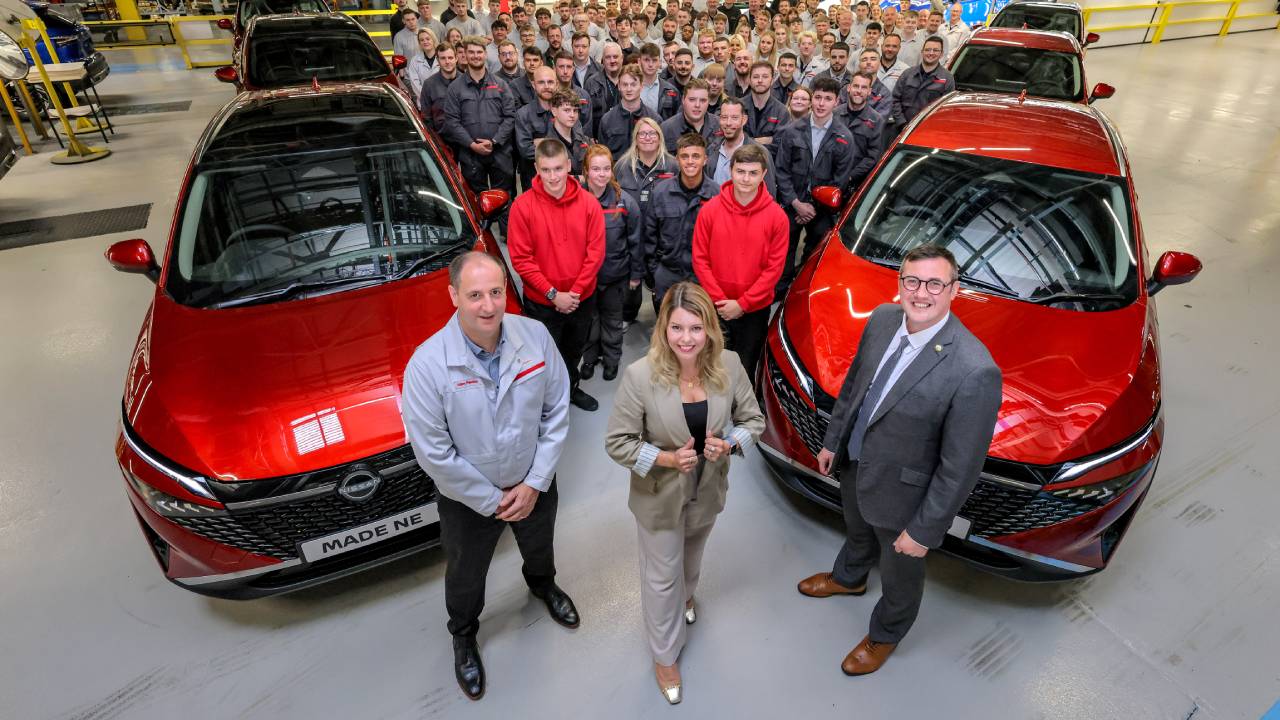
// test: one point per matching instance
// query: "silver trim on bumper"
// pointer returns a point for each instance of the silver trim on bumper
(798, 466)
(1033, 557)
(208, 579)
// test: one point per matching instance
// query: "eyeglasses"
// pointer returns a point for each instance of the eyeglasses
(911, 283)
(647, 134)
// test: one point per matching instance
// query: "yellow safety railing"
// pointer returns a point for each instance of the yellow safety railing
(1166, 19)
(183, 42)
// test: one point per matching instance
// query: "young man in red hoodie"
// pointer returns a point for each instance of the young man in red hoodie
(556, 239)
(739, 249)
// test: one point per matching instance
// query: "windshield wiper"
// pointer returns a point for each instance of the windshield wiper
(294, 288)
(1064, 297)
(989, 287)
(425, 260)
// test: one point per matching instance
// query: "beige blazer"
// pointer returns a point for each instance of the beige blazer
(648, 418)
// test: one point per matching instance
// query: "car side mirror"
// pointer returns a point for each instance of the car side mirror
(1174, 268)
(227, 74)
(1092, 38)
(399, 62)
(134, 256)
(224, 24)
(1101, 91)
(827, 195)
(491, 201)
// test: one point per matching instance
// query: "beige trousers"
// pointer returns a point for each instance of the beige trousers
(670, 565)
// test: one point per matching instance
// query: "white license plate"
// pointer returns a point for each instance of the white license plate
(369, 533)
(960, 527)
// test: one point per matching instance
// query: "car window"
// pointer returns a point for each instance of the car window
(283, 59)
(1017, 229)
(1039, 18)
(1042, 73)
(258, 224)
(249, 9)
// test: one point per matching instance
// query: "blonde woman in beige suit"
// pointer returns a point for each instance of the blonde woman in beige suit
(678, 415)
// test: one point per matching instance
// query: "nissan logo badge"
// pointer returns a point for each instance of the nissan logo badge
(359, 485)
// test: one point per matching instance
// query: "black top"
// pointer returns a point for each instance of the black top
(695, 416)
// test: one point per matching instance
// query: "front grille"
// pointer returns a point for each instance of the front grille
(276, 530)
(811, 426)
(993, 508)
(996, 509)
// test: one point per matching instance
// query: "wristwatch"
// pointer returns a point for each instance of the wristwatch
(551, 294)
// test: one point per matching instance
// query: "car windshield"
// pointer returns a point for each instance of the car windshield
(257, 229)
(281, 59)
(1042, 73)
(1034, 17)
(1030, 232)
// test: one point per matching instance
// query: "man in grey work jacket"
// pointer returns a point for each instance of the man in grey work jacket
(486, 409)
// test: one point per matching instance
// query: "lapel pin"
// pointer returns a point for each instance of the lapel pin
(937, 348)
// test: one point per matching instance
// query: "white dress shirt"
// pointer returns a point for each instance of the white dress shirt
(916, 343)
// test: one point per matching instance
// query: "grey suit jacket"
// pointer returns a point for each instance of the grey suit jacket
(648, 418)
(926, 443)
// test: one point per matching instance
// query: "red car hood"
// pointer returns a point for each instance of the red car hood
(270, 390)
(1074, 382)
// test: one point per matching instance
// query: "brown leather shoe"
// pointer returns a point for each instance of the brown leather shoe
(821, 585)
(867, 657)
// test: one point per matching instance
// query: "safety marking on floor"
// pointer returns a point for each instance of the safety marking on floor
(36, 231)
(149, 108)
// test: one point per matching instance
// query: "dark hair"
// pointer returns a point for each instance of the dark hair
(691, 139)
(825, 84)
(561, 55)
(407, 12)
(929, 251)
(870, 76)
(501, 24)
(542, 12)
(932, 38)
(532, 50)
(731, 100)
(564, 96)
(650, 50)
(684, 51)
(460, 263)
(788, 56)
(873, 25)
(841, 46)
(579, 36)
(548, 148)
(753, 153)
(761, 64)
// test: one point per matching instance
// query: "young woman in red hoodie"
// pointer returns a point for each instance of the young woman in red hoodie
(739, 249)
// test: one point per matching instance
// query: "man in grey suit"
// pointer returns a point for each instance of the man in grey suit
(908, 436)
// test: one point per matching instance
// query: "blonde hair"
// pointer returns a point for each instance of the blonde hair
(663, 363)
(772, 56)
(631, 158)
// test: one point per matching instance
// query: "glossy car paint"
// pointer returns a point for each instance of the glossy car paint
(1075, 383)
(219, 391)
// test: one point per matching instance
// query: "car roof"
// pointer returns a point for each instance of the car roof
(302, 117)
(304, 22)
(1055, 40)
(1070, 6)
(1056, 133)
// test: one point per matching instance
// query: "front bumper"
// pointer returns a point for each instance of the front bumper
(1008, 527)
(252, 549)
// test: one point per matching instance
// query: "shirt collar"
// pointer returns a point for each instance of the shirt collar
(480, 352)
(919, 339)
(813, 123)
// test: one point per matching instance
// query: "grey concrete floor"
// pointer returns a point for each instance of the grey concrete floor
(1182, 624)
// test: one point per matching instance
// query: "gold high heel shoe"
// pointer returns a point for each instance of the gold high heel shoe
(671, 692)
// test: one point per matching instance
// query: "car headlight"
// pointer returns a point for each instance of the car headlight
(1103, 492)
(806, 384)
(167, 505)
(193, 483)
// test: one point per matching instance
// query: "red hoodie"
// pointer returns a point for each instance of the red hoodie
(556, 242)
(739, 250)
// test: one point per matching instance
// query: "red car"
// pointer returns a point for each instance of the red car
(288, 50)
(1035, 200)
(247, 10)
(1053, 15)
(1038, 62)
(260, 439)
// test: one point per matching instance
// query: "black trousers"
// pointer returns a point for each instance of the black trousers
(469, 539)
(745, 336)
(813, 231)
(663, 278)
(605, 341)
(570, 331)
(631, 303)
(901, 576)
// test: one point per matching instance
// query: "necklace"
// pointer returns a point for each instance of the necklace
(690, 383)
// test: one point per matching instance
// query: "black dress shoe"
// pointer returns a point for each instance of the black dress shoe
(583, 400)
(559, 605)
(587, 371)
(610, 372)
(467, 667)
